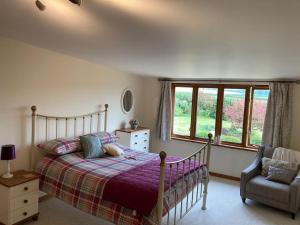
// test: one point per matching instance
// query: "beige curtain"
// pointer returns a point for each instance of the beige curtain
(164, 119)
(278, 121)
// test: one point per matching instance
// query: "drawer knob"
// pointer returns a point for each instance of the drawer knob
(25, 213)
(136, 135)
(145, 140)
(25, 188)
(146, 133)
(25, 201)
(144, 147)
(135, 143)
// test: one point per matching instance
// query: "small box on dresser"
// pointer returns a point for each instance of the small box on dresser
(19, 198)
(137, 139)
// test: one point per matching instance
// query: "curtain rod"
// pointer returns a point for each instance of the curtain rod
(229, 80)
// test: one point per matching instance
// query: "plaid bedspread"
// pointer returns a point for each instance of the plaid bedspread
(80, 182)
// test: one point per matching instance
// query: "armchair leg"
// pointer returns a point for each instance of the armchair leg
(293, 215)
(244, 200)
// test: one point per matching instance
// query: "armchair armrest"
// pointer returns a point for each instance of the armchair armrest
(295, 195)
(251, 171)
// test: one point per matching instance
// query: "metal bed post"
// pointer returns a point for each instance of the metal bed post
(105, 117)
(161, 189)
(33, 128)
(207, 172)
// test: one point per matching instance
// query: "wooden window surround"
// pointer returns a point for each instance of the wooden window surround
(247, 114)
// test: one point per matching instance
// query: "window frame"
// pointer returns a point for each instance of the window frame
(249, 93)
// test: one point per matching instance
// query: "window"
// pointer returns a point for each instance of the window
(259, 108)
(233, 113)
(182, 110)
(206, 111)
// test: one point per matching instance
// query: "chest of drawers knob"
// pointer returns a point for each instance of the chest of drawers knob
(25, 201)
(24, 213)
(25, 188)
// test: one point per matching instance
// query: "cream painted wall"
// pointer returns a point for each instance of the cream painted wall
(60, 85)
(57, 84)
(223, 160)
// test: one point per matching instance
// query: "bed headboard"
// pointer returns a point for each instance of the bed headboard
(67, 126)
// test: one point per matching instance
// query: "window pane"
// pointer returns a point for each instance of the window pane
(260, 99)
(206, 111)
(182, 110)
(233, 115)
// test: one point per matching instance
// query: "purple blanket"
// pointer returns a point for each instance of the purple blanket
(137, 188)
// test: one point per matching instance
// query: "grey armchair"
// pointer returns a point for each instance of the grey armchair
(256, 187)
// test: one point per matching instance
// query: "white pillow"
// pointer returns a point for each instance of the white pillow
(112, 149)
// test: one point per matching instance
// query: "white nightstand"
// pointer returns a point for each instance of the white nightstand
(19, 198)
(135, 139)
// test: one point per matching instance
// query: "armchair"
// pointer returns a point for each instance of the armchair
(256, 187)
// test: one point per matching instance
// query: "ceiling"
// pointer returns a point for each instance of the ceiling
(244, 39)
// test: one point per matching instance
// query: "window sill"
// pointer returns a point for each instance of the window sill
(250, 149)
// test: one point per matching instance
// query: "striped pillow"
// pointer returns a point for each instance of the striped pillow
(61, 146)
(106, 137)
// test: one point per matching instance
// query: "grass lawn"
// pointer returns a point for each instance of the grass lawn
(206, 125)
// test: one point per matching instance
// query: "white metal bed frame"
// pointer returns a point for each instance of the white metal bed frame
(185, 203)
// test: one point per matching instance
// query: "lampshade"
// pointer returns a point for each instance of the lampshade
(78, 2)
(8, 152)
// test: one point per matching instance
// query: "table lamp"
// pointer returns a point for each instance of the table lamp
(8, 152)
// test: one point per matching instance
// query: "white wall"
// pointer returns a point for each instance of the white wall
(57, 84)
(223, 160)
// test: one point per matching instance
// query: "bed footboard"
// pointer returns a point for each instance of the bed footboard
(194, 170)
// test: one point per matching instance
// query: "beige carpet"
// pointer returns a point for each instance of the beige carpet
(224, 208)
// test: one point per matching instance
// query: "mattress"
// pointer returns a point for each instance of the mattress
(81, 183)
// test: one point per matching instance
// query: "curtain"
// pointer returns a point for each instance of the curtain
(278, 121)
(164, 119)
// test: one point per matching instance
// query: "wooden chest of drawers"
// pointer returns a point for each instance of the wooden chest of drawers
(135, 139)
(19, 198)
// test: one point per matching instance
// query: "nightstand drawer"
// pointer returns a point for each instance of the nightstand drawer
(24, 200)
(25, 188)
(23, 213)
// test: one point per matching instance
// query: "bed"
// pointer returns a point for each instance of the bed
(116, 188)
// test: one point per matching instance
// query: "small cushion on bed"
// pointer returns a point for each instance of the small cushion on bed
(92, 147)
(61, 146)
(106, 137)
(113, 150)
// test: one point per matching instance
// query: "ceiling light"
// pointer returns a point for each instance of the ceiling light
(78, 2)
(40, 5)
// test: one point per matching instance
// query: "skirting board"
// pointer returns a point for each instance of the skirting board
(224, 176)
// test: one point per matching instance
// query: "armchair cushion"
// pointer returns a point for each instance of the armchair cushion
(259, 186)
(281, 175)
(267, 162)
